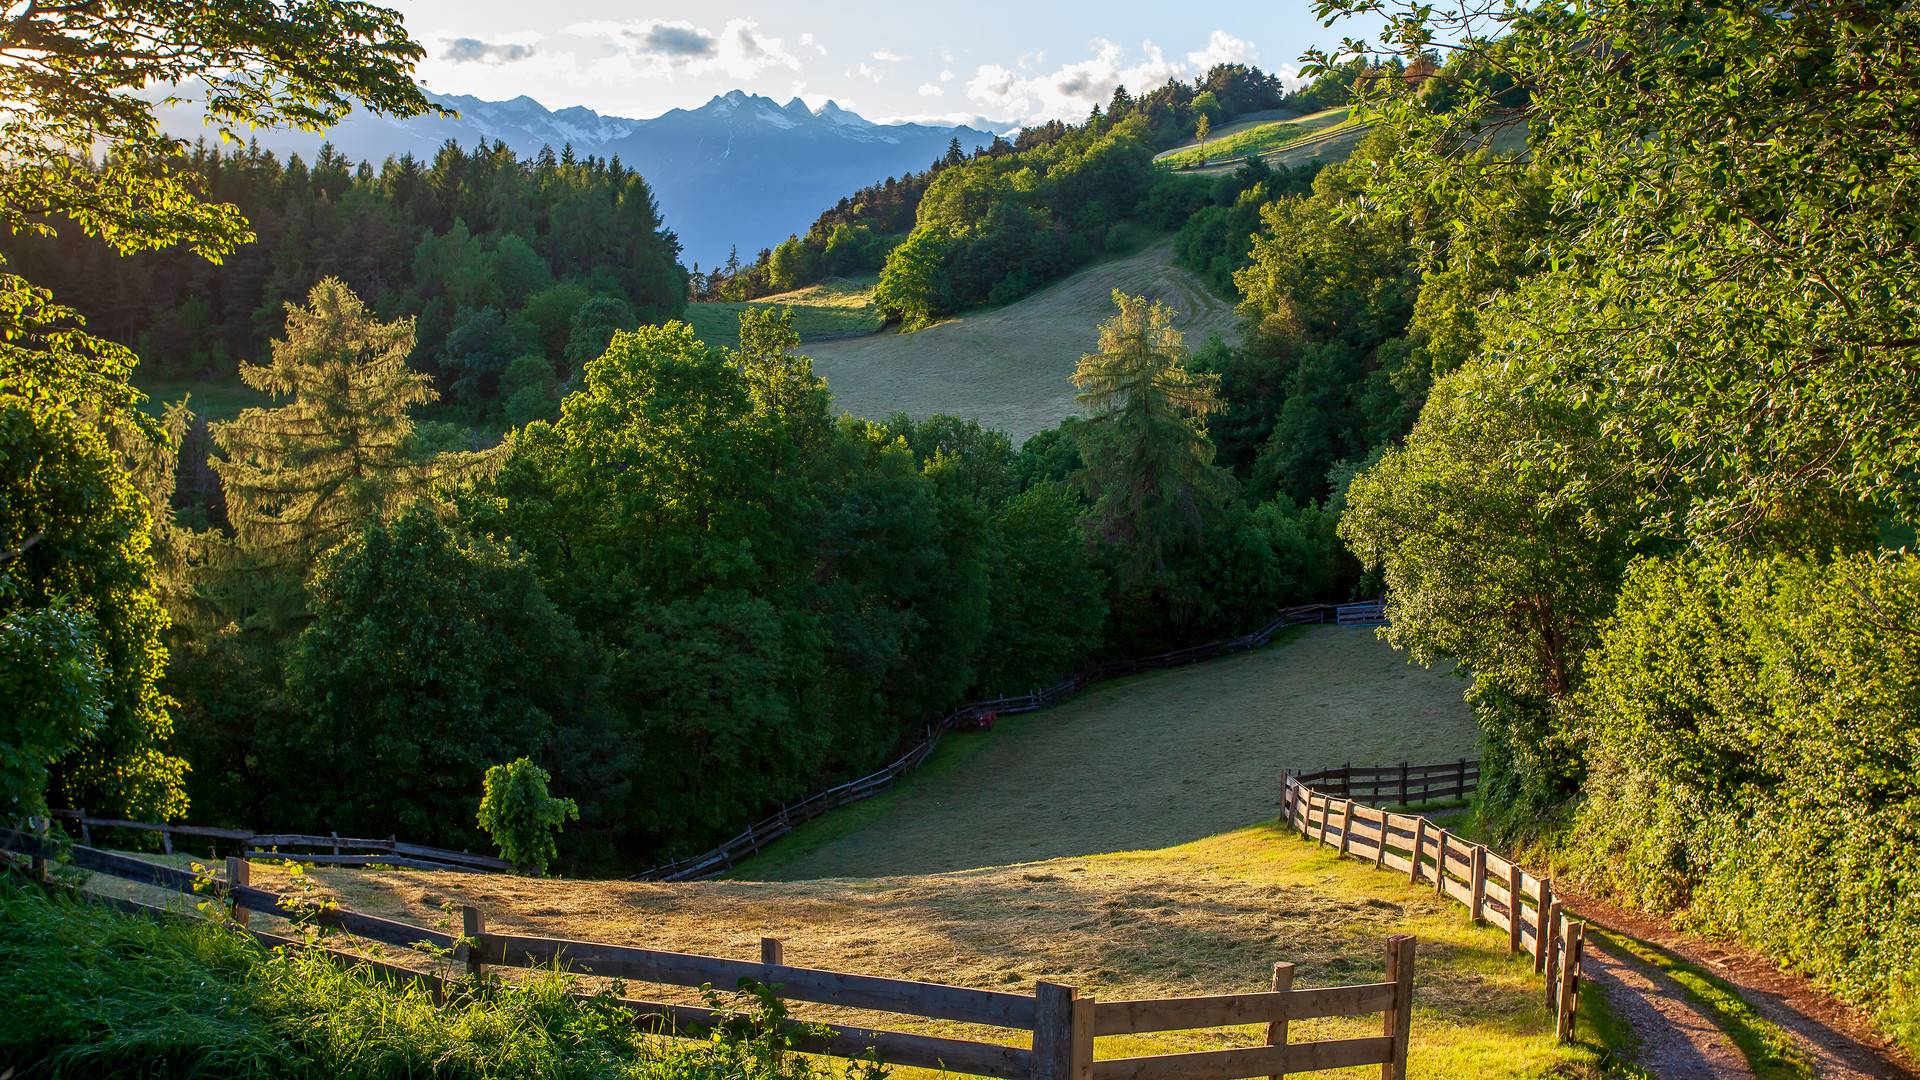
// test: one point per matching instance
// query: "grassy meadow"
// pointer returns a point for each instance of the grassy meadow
(1012, 367)
(837, 306)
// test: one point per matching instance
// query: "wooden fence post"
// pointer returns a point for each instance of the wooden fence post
(1082, 1041)
(166, 840)
(37, 865)
(1514, 902)
(86, 835)
(1550, 937)
(1440, 867)
(1346, 826)
(1479, 875)
(472, 926)
(1380, 855)
(1540, 930)
(1460, 781)
(1574, 945)
(1419, 846)
(1053, 1031)
(239, 874)
(1277, 1029)
(1397, 1021)
(1403, 783)
(772, 952)
(1326, 815)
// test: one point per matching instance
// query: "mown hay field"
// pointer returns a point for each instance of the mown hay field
(1211, 916)
(1149, 761)
(1011, 367)
(833, 306)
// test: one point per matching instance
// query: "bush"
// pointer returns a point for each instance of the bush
(50, 678)
(1751, 729)
(521, 817)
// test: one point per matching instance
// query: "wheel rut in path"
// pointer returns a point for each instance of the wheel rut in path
(1677, 1041)
(1839, 1042)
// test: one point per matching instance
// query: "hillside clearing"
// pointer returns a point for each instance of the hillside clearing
(1144, 762)
(835, 306)
(1011, 367)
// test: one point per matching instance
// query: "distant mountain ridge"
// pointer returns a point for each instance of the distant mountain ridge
(741, 169)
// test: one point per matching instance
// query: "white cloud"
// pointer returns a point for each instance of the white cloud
(946, 76)
(663, 49)
(1222, 48)
(929, 90)
(889, 57)
(807, 42)
(873, 74)
(1072, 90)
(947, 56)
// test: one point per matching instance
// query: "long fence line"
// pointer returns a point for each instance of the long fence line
(1494, 889)
(783, 821)
(1063, 1023)
(339, 850)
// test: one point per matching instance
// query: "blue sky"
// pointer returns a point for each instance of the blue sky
(998, 62)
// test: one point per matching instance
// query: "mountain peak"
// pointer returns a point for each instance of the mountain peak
(832, 112)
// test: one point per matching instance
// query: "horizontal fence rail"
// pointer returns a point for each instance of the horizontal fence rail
(722, 858)
(1494, 890)
(1062, 1022)
(343, 850)
(1397, 785)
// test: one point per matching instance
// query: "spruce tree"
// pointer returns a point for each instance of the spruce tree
(303, 477)
(1149, 463)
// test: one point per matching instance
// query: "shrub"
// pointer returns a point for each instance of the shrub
(1751, 728)
(521, 817)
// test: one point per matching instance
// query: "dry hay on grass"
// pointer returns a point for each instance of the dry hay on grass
(1151, 761)
(833, 306)
(1208, 917)
(1012, 367)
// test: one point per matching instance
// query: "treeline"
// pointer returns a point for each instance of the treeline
(1659, 500)
(516, 269)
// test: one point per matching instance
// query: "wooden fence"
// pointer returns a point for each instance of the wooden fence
(1063, 1023)
(1494, 890)
(787, 818)
(335, 850)
(1397, 785)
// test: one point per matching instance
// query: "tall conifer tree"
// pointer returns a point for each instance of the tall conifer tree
(302, 477)
(1149, 461)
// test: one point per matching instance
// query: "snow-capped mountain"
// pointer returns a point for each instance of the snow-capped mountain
(741, 169)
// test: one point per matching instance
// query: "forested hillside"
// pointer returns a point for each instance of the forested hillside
(500, 259)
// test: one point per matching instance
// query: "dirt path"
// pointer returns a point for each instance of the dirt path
(1011, 367)
(1677, 1040)
(1839, 1042)
(1161, 759)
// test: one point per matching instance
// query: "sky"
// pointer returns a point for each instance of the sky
(997, 63)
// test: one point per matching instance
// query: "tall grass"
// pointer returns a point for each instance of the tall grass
(88, 992)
